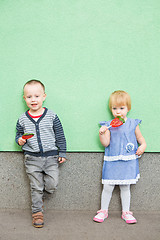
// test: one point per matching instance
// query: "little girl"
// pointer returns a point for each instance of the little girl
(121, 156)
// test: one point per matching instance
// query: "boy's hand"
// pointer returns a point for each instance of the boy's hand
(21, 141)
(102, 130)
(61, 159)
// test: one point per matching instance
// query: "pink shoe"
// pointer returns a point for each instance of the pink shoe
(128, 217)
(101, 216)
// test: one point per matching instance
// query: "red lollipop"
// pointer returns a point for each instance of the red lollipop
(116, 122)
(27, 135)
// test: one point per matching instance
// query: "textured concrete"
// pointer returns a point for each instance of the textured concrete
(71, 225)
(80, 183)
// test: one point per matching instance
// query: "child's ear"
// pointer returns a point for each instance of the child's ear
(44, 96)
(24, 97)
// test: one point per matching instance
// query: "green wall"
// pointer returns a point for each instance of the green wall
(82, 51)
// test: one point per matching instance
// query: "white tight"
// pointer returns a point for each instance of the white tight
(107, 194)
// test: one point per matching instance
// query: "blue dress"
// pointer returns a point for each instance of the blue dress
(121, 164)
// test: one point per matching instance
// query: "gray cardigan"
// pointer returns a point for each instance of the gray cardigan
(48, 136)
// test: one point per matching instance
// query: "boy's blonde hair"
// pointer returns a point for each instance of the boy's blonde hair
(120, 98)
(34, 81)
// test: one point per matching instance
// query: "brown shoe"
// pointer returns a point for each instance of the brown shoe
(38, 220)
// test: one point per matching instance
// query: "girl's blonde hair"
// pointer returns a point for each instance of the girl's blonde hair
(120, 98)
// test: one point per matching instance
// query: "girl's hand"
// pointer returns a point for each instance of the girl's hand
(21, 141)
(102, 130)
(61, 159)
(140, 150)
(141, 141)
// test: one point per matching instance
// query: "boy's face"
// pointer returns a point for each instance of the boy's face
(120, 111)
(34, 96)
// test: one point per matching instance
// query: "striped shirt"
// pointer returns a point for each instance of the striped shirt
(48, 133)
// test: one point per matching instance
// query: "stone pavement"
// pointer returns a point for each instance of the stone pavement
(77, 225)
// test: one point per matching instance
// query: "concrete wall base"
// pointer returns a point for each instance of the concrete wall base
(79, 183)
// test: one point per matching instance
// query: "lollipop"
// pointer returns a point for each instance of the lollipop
(116, 122)
(27, 135)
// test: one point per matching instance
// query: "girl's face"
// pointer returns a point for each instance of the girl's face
(120, 111)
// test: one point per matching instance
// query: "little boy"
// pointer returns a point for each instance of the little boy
(44, 150)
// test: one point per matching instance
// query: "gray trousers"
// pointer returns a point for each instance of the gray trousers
(43, 173)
